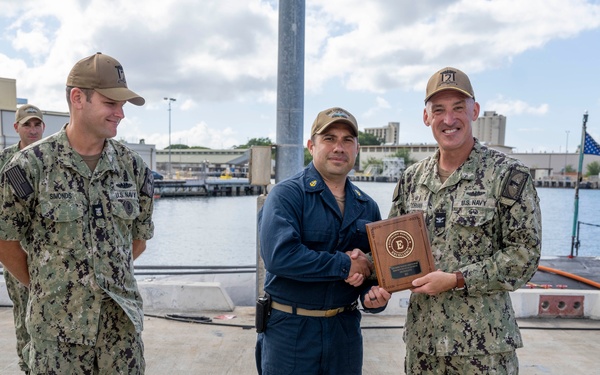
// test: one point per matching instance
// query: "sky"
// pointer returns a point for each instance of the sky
(537, 62)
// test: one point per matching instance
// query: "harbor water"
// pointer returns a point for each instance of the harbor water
(221, 231)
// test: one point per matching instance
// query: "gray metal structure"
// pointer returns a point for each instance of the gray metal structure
(170, 172)
(290, 104)
(290, 89)
(392, 167)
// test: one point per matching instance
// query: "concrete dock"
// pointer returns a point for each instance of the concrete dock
(226, 346)
(560, 325)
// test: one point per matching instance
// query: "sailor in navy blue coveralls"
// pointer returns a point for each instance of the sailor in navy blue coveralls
(305, 234)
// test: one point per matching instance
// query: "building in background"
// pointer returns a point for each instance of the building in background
(194, 162)
(389, 134)
(490, 128)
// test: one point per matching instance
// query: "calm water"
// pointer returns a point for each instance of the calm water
(201, 231)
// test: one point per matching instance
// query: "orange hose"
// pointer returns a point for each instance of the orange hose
(569, 275)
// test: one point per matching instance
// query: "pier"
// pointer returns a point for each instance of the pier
(561, 182)
(201, 330)
(205, 187)
(366, 178)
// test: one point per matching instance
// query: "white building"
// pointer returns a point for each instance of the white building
(389, 134)
(490, 128)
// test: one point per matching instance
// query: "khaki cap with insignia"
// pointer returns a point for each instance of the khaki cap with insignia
(333, 115)
(104, 75)
(27, 112)
(449, 79)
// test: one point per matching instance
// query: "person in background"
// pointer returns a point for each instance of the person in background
(484, 222)
(313, 242)
(29, 125)
(78, 206)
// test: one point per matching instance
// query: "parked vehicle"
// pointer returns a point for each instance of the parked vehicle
(157, 176)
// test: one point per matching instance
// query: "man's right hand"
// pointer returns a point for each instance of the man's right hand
(359, 263)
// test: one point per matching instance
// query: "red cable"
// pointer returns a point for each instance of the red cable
(569, 275)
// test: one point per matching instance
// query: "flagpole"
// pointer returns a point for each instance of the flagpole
(575, 216)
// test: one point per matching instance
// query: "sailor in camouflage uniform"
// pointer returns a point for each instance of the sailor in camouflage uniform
(29, 125)
(81, 205)
(484, 223)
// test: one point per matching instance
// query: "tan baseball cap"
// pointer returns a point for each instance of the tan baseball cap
(27, 112)
(105, 75)
(449, 79)
(331, 115)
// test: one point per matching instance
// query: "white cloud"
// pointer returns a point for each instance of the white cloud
(219, 58)
(380, 104)
(199, 134)
(507, 107)
(382, 45)
(225, 50)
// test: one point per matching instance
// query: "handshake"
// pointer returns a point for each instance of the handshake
(361, 267)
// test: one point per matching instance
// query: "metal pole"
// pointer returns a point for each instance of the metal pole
(290, 89)
(577, 241)
(566, 152)
(290, 104)
(169, 100)
(585, 118)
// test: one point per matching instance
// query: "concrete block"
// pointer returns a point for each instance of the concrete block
(526, 302)
(4, 300)
(184, 297)
(567, 306)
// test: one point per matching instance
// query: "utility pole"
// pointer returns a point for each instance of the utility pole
(566, 152)
(169, 100)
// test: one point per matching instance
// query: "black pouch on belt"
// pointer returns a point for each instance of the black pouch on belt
(263, 310)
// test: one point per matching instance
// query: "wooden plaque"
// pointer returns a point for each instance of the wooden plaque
(401, 250)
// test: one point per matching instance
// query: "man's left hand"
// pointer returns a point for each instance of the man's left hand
(434, 283)
(377, 297)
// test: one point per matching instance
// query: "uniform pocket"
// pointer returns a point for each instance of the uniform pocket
(124, 212)
(475, 232)
(280, 343)
(62, 220)
(318, 239)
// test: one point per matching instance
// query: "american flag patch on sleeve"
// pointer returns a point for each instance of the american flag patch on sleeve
(16, 177)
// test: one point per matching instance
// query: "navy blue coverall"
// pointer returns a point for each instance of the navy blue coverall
(303, 239)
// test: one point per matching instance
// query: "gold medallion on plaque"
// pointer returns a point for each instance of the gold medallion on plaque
(399, 244)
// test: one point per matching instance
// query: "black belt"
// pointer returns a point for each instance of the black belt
(314, 313)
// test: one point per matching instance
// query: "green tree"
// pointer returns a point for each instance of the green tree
(264, 141)
(307, 157)
(177, 146)
(373, 161)
(367, 139)
(593, 169)
(569, 169)
(404, 154)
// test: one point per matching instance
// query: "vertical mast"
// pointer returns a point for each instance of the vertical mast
(574, 243)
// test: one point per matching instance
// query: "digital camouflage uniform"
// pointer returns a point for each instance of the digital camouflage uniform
(77, 227)
(17, 292)
(485, 222)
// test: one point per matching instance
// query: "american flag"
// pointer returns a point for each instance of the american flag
(590, 146)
